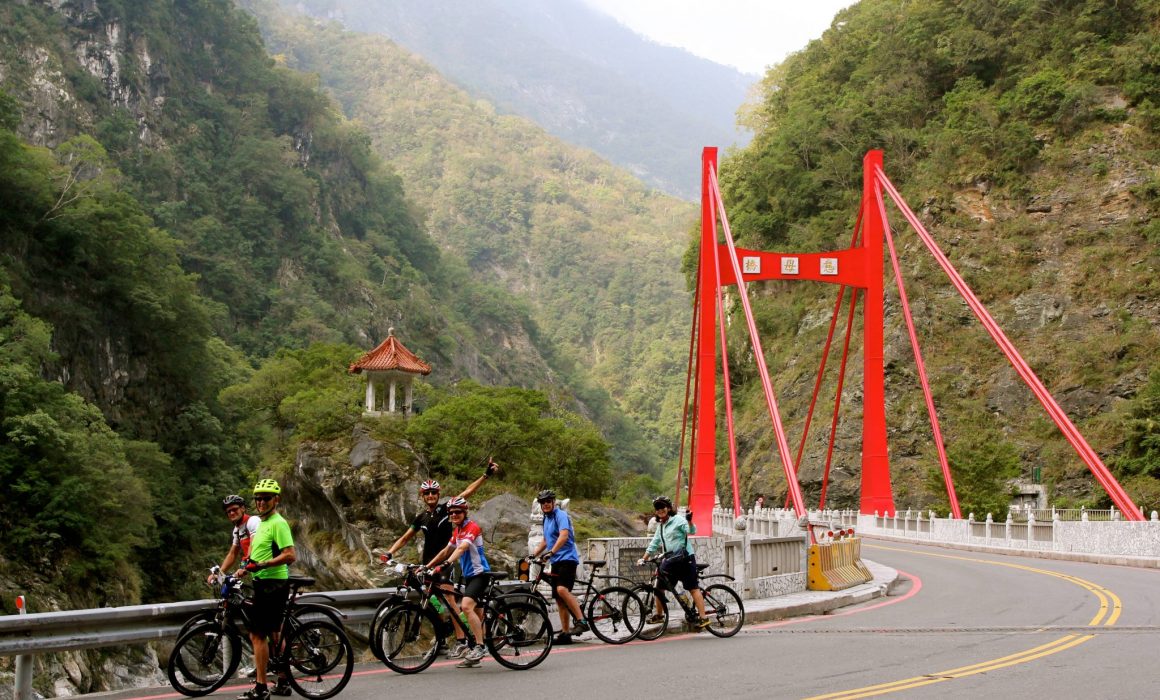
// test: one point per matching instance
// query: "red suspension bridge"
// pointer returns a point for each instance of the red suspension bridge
(861, 269)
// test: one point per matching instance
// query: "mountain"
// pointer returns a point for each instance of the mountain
(574, 71)
(194, 245)
(593, 253)
(1025, 135)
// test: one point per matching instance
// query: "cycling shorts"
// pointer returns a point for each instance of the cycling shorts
(563, 574)
(686, 573)
(475, 587)
(270, 596)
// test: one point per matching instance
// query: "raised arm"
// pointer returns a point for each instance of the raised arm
(492, 468)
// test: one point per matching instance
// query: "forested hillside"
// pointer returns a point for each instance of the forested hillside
(194, 244)
(1025, 133)
(573, 71)
(593, 253)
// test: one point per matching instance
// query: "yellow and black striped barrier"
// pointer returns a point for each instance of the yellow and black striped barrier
(832, 566)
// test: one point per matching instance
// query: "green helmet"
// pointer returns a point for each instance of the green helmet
(267, 486)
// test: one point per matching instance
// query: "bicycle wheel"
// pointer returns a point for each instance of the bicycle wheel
(306, 612)
(655, 623)
(725, 610)
(408, 639)
(616, 614)
(376, 622)
(519, 635)
(203, 659)
(319, 659)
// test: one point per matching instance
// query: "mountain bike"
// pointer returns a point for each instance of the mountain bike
(723, 606)
(409, 590)
(615, 614)
(516, 629)
(313, 654)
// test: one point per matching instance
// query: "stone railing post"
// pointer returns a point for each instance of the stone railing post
(1007, 529)
(987, 528)
(1031, 528)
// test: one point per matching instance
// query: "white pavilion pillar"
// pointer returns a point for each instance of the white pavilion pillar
(392, 404)
(370, 394)
(409, 396)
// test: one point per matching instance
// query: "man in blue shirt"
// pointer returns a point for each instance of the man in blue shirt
(560, 543)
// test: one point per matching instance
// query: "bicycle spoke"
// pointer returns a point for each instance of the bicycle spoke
(319, 659)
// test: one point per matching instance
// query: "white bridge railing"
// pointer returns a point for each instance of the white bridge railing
(1081, 532)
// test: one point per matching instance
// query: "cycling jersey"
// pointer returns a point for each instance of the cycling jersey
(436, 528)
(242, 534)
(473, 562)
(274, 532)
(554, 523)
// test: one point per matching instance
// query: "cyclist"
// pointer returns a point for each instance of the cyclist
(560, 543)
(467, 544)
(672, 537)
(433, 522)
(271, 553)
(244, 528)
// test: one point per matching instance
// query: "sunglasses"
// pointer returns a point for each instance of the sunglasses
(259, 499)
(430, 491)
(457, 512)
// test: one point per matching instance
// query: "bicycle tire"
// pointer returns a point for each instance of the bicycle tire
(377, 621)
(305, 612)
(725, 610)
(518, 634)
(203, 659)
(319, 658)
(408, 638)
(648, 596)
(616, 615)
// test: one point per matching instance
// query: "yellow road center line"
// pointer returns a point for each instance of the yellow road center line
(1108, 613)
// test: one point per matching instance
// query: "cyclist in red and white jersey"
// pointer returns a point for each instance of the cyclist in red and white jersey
(245, 526)
(467, 544)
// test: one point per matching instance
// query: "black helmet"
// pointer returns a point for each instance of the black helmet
(545, 496)
(233, 500)
(662, 502)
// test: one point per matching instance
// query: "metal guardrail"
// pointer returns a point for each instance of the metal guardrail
(38, 633)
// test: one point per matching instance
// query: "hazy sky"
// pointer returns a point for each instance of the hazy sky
(748, 34)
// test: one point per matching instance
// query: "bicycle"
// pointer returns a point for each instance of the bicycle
(410, 589)
(615, 614)
(314, 655)
(516, 629)
(300, 610)
(723, 606)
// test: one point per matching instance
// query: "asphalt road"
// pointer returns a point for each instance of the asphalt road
(965, 625)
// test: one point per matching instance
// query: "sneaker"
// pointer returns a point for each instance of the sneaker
(458, 650)
(581, 626)
(471, 658)
(703, 623)
(563, 639)
(281, 688)
(655, 619)
(258, 692)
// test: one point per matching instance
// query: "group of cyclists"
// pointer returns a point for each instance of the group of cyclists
(263, 547)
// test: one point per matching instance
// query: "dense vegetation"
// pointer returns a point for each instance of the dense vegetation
(1026, 132)
(202, 212)
(593, 253)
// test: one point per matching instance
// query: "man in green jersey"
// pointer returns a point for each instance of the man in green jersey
(271, 553)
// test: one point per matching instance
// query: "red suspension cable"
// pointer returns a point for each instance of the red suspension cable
(1070, 432)
(797, 462)
(759, 354)
(688, 377)
(952, 497)
(728, 390)
(838, 396)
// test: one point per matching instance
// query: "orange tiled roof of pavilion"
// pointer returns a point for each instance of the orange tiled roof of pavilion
(390, 354)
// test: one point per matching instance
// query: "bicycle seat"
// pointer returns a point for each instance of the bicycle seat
(495, 575)
(702, 567)
(595, 564)
(297, 582)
